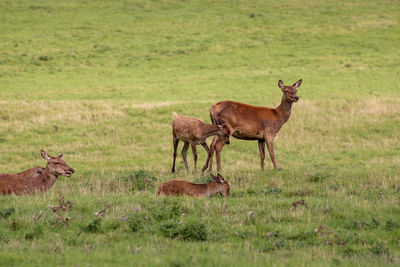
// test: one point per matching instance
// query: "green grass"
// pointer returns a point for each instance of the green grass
(99, 80)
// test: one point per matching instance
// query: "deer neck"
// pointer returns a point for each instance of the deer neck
(284, 110)
(44, 181)
(208, 130)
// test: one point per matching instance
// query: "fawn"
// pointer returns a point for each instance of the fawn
(182, 187)
(194, 131)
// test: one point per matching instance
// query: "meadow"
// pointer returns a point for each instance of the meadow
(98, 81)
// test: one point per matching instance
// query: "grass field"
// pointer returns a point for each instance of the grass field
(99, 80)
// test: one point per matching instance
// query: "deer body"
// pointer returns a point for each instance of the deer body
(249, 122)
(194, 132)
(264, 121)
(37, 179)
(182, 187)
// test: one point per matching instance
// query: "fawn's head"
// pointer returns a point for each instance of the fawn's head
(224, 186)
(290, 92)
(56, 165)
(225, 131)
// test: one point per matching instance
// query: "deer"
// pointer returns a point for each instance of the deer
(182, 187)
(247, 122)
(195, 132)
(37, 179)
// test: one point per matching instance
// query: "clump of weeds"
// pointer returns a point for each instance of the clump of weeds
(93, 226)
(140, 180)
(318, 177)
(36, 232)
(192, 230)
(6, 213)
(379, 249)
(64, 206)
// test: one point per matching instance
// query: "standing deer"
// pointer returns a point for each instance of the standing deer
(182, 187)
(35, 179)
(248, 122)
(195, 132)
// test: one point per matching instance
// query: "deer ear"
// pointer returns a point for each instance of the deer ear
(221, 121)
(215, 178)
(280, 84)
(60, 156)
(298, 83)
(45, 155)
(220, 178)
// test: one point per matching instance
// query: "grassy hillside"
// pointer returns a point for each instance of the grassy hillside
(99, 80)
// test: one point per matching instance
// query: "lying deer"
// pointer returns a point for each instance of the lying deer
(248, 122)
(35, 179)
(182, 187)
(195, 132)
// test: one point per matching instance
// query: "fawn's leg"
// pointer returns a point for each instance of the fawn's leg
(208, 156)
(194, 156)
(175, 142)
(184, 151)
(212, 149)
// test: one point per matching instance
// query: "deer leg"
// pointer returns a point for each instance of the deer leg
(270, 146)
(212, 149)
(208, 156)
(261, 147)
(194, 156)
(218, 148)
(175, 142)
(184, 151)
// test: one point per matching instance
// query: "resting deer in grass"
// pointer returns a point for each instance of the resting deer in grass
(35, 179)
(182, 187)
(248, 122)
(195, 132)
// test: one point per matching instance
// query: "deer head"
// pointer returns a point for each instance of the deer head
(290, 92)
(56, 166)
(225, 131)
(224, 186)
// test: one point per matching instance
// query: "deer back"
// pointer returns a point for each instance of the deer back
(186, 127)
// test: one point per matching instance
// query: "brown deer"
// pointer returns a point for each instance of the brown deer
(195, 132)
(182, 187)
(35, 179)
(248, 122)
